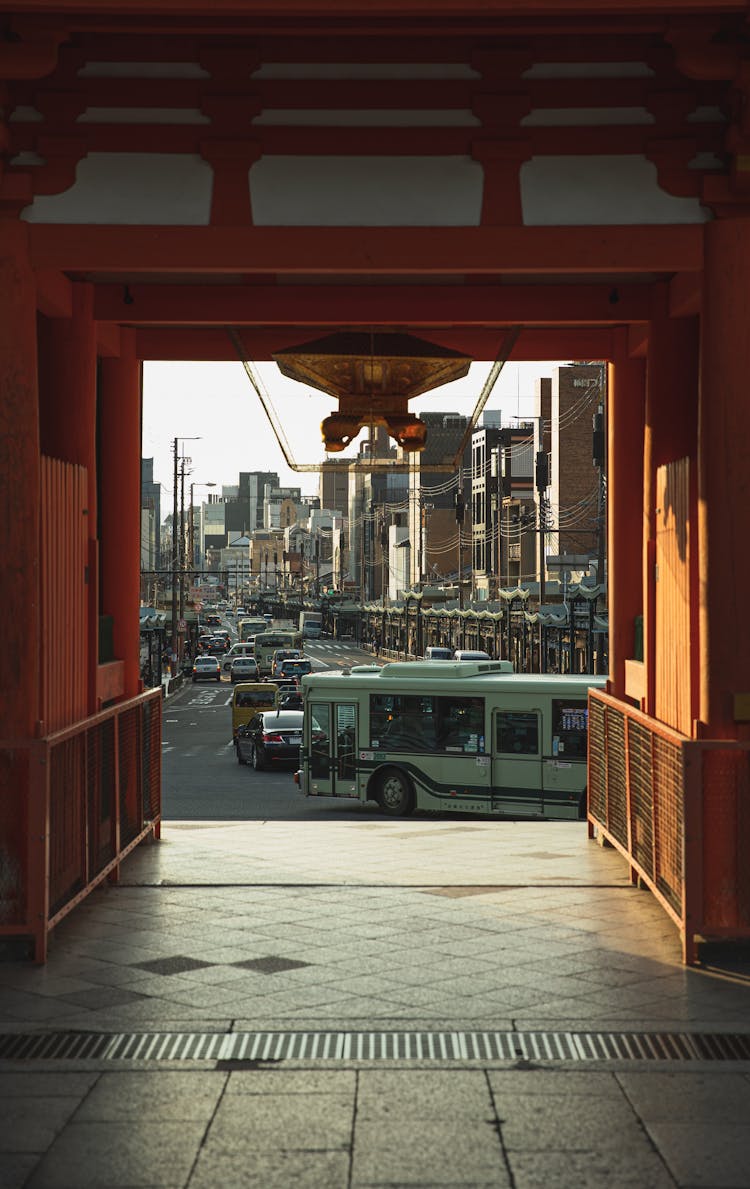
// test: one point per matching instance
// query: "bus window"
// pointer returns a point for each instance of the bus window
(570, 722)
(517, 732)
(402, 722)
(406, 722)
(460, 725)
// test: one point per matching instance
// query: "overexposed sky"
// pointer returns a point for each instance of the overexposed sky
(216, 403)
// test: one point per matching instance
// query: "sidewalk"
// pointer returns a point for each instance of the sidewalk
(377, 1003)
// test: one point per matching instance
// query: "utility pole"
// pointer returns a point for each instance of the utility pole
(542, 481)
(599, 452)
(459, 502)
(182, 537)
(385, 574)
(175, 563)
(178, 546)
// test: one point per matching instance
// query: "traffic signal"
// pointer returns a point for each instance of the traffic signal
(459, 503)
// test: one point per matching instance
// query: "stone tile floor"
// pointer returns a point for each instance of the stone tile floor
(421, 925)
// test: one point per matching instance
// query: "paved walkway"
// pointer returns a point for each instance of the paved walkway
(377, 1003)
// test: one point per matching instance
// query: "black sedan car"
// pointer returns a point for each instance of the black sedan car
(271, 738)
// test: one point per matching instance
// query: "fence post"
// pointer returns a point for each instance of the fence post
(692, 848)
(38, 856)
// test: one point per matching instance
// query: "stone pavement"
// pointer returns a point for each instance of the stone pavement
(382, 1003)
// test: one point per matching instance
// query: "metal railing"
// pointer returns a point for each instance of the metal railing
(676, 809)
(95, 793)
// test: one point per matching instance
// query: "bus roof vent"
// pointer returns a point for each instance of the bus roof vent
(445, 671)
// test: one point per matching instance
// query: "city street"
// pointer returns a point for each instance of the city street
(201, 779)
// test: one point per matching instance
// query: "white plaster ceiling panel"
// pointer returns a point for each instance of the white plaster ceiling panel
(363, 70)
(576, 191)
(313, 117)
(589, 70)
(131, 188)
(366, 191)
(142, 115)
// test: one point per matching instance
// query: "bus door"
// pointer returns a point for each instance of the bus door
(333, 748)
(565, 771)
(517, 781)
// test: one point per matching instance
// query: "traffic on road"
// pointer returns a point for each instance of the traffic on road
(201, 776)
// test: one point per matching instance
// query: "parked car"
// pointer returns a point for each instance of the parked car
(272, 737)
(470, 654)
(243, 668)
(206, 668)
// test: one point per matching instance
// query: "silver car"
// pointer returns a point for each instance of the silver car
(243, 668)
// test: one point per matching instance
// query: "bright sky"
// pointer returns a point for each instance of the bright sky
(216, 403)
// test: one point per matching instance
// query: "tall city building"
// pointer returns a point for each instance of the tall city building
(150, 517)
(431, 513)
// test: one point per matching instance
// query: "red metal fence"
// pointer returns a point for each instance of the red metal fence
(678, 810)
(95, 794)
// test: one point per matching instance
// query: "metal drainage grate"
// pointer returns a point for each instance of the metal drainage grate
(376, 1046)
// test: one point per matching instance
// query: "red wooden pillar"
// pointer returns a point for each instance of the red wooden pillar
(670, 434)
(21, 812)
(724, 569)
(626, 400)
(724, 481)
(120, 502)
(19, 483)
(67, 402)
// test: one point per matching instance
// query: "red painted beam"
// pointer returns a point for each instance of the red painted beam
(368, 94)
(460, 305)
(333, 140)
(345, 251)
(191, 343)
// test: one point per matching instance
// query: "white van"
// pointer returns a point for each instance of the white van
(470, 654)
(245, 649)
(438, 653)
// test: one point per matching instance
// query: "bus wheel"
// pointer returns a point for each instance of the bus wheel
(395, 794)
(582, 806)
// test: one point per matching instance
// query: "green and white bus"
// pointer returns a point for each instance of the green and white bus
(468, 737)
(267, 642)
